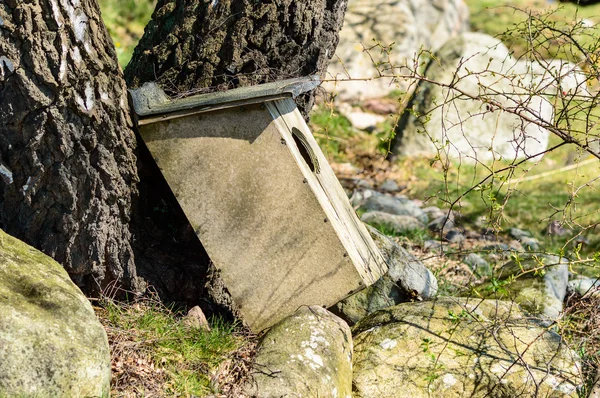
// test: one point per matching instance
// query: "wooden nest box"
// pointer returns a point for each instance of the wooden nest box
(261, 196)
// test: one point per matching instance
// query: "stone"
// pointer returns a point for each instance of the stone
(454, 236)
(478, 264)
(364, 184)
(407, 279)
(433, 245)
(359, 119)
(519, 233)
(556, 228)
(397, 205)
(396, 224)
(308, 354)
(584, 285)
(460, 347)
(469, 130)
(530, 243)
(442, 223)
(360, 195)
(407, 26)
(516, 246)
(51, 343)
(389, 186)
(537, 283)
(525, 239)
(262, 199)
(433, 212)
(196, 319)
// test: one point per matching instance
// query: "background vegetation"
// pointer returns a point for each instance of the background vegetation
(152, 341)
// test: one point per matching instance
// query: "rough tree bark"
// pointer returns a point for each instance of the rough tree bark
(192, 45)
(76, 182)
(195, 46)
(66, 139)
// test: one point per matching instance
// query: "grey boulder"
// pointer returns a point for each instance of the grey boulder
(407, 279)
(407, 26)
(450, 123)
(51, 343)
(396, 205)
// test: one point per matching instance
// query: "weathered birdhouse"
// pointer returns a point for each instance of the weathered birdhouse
(261, 196)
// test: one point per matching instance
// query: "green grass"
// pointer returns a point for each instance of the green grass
(528, 205)
(158, 341)
(125, 21)
(340, 141)
(499, 19)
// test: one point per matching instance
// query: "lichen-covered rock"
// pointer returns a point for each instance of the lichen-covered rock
(51, 343)
(406, 26)
(308, 354)
(407, 279)
(459, 347)
(447, 121)
(538, 283)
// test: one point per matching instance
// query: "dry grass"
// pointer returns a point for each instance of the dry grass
(156, 353)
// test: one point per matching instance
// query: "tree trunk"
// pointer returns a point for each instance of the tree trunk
(69, 156)
(195, 46)
(191, 46)
(66, 140)
(68, 164)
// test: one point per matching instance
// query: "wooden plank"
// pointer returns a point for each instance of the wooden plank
(209, 108)
(151, 100)
(327, 188)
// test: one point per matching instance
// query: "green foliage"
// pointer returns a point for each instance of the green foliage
(125, 21)
(417, 236)
(500, 19)
(332, 131)
(340, 141)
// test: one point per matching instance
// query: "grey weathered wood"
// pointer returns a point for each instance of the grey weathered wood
(280, 230)
(151, 100)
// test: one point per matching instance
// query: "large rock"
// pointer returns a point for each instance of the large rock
(308, 354)
(407, 26)
(447, 121)
(395, 223)
(458, 347)
(397, 205)
(407, 279)
(538, 283)
(51, 343)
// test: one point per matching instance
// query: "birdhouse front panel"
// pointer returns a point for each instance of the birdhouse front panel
(267, 207)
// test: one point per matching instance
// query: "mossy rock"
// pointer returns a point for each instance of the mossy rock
(460, 347)
(51, 343)
(537, 283)
(308, 354)
(407, 279)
